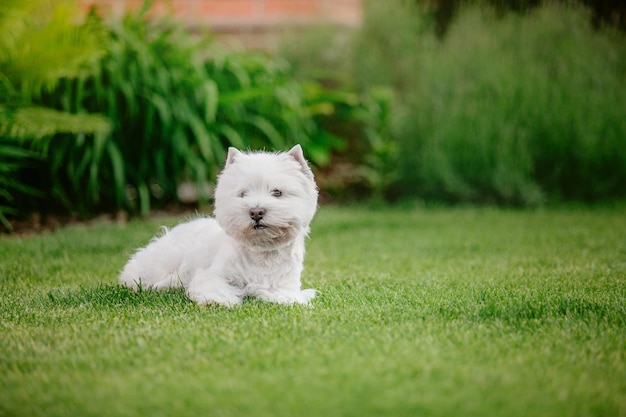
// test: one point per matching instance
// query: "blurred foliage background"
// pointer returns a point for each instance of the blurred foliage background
(514, 103)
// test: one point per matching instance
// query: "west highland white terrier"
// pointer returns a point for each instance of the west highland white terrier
(264, 203)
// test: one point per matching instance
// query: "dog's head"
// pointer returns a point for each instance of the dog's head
(265, 200)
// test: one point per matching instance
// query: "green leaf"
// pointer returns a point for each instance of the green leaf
(39, 122)
(144, 198)
(233, 137)
(211, 100)
(262, 124)
(117, 164)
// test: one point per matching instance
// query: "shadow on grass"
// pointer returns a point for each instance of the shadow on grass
(106, 295)
(513, 306)
(119, 296)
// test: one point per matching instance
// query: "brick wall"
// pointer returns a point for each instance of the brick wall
(254, 22)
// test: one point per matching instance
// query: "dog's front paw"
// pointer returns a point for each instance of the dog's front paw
(306, 296)
(286, 297)
(221, 296)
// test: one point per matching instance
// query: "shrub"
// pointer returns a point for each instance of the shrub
(511, 109)
(366, 165)
(175, 102)
(40, 44)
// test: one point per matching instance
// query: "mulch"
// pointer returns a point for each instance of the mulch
(36, 223)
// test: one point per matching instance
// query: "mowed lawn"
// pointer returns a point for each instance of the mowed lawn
(420, 312)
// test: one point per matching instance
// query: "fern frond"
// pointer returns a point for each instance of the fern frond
(43, 41)
(40, 122)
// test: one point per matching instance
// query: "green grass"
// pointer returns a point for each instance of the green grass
(422, 311)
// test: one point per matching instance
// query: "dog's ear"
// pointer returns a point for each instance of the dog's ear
(233, 154)
(297, 154)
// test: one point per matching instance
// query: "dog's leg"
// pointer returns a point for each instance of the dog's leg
(209, 288)
(154, 267)
(284, 296)
(170, 261)
(170, 281)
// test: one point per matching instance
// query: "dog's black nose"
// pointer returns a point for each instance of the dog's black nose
(257, 213)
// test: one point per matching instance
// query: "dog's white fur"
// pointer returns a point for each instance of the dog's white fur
(264, 203)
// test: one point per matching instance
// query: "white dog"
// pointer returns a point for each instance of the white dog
(253, 247)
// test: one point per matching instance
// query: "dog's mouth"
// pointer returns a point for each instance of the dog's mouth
(265, 235)
(269, 229)
(259, 226)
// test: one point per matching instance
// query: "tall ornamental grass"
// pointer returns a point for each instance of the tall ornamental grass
(513, 109)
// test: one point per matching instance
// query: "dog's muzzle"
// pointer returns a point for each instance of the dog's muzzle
(256, 214)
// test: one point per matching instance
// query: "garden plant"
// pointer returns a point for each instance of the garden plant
(146, 106)
(514, 108)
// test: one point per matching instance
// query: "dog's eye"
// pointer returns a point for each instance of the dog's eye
(276, 193)
(242, 194)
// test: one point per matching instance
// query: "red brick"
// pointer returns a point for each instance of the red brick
(183, 9)
(292, 8)
(227, 8)
(347, 12)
